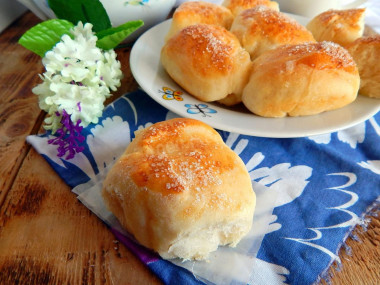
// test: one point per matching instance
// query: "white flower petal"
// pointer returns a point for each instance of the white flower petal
(78, 78)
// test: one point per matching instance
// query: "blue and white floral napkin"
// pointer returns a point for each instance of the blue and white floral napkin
(317, 189)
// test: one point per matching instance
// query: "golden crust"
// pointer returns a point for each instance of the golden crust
(166, 142)
(207, 61)
(213, 48)
(322, 56)
(366, 53)
(339, 26)
(261, 28)
(175, 182)
(190, 13)
(299, 80)
(237, 6)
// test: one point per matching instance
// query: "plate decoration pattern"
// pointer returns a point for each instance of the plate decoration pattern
(171, 94)
(136, 2)
(200, 109)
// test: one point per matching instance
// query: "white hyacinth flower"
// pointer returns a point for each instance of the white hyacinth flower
(79, 77)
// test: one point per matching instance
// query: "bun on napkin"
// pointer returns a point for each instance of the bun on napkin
(260, 29)
(180, 190)
(366, 53)
(197, 12)
(299, 80)
(207, 61)
(339, 26)
(237, 6)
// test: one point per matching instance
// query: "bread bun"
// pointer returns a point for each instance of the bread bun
(180, 190)
(299, 80)
(237, 6)
(231, 100)
(366, 53)
(190, 13)
(260, 29)
(339, 26)
(207, 61)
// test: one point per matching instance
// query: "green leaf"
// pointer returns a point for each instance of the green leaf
(110, 38)
(86, 11)
(44, 36)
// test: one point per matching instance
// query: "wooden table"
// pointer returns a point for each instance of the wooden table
(46, 235)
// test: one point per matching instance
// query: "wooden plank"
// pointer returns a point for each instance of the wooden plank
(360, 263)
(19, 112)
(48, 237)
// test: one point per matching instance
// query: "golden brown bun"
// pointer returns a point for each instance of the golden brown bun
(260, 29)
(339, 26)
(299, 80)
(180, 190)
(237, 6)
(231, 100)
(190, 13)
(207, 61)
(366, 53)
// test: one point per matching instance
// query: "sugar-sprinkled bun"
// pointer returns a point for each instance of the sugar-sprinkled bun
(299, 80)
(207, 61)
(260, 29)
(197, 12)
(180, 190)
(366, 53)
(339, 26)
(237, 6)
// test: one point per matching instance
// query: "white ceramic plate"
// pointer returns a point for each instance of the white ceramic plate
(149, 73)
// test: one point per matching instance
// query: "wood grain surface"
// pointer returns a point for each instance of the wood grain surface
(46, 235)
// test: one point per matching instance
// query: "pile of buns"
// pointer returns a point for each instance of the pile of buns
(180, 190)
(248, 51)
